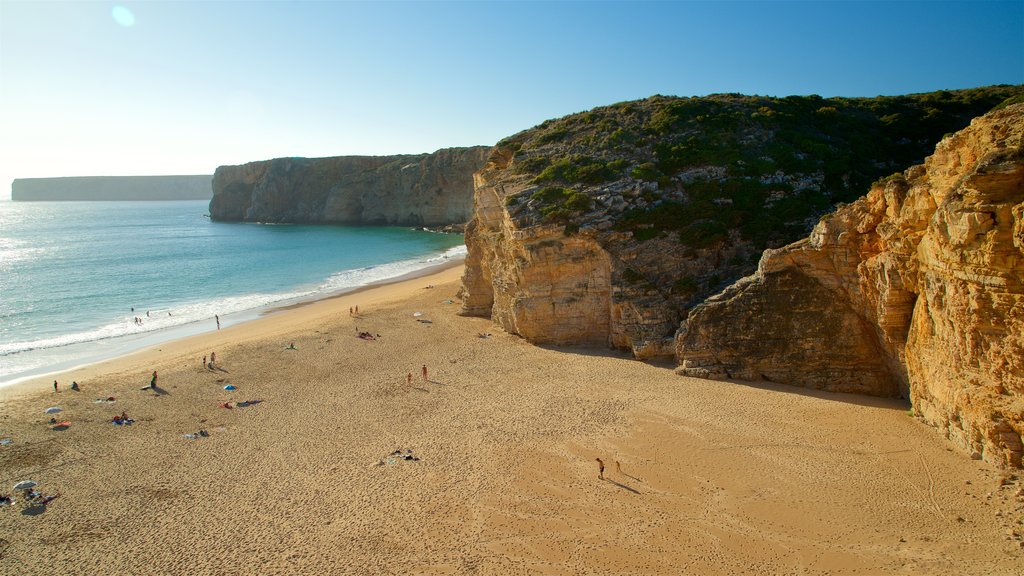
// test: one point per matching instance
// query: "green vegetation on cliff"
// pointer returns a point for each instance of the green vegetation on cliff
(763, 167)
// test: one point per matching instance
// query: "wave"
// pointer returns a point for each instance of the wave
(176, 315)
(363, 276)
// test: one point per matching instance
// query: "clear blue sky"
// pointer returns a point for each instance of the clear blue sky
(120, 88)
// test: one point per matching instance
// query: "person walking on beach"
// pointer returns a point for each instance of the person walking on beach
(408, 378)
(600, 469)
(152, 382)
(217, 316)
(213, 358)
(55, 386)
(204, 361)
(425, 373)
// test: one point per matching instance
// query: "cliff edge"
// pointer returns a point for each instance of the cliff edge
(914, 290)
(407, 190)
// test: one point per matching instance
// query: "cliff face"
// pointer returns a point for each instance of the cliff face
(916, 289)
(409, 190)
(95, 188)
(606, 227)
(536, 282)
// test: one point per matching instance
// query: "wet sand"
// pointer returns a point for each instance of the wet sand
(716, 477)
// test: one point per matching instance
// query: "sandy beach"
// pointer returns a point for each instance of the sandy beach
(329, 462)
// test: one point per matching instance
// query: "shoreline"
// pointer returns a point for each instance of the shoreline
(153, 343)
(328, 456)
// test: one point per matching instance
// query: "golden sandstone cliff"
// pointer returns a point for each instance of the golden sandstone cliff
(913, 291)
(916, 289)
(546, 287)
(607, 226)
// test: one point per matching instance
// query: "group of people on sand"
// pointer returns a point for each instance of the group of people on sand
(74, 386)
(32, 496)
(423, 371)
(353, 311)
(618, 468)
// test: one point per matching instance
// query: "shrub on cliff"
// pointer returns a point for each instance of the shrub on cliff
(766, 167)
(559, 204)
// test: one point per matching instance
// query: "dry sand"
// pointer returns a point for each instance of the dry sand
(716, 477)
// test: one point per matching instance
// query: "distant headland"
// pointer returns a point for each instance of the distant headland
(190, 187)
(405, 190)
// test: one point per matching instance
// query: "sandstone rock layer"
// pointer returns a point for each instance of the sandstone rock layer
(916, 290)
(538, 283)
(410, 190)
(606, 227)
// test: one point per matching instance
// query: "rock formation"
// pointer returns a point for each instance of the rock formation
(606, 227)
(916, 289)
(113, 188)
(410, 190)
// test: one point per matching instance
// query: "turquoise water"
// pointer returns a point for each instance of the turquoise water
(71, 272)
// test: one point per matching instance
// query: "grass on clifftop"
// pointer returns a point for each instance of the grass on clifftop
(765, 167)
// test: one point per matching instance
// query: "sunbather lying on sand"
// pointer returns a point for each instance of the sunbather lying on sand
(38, 498)
(122, 420)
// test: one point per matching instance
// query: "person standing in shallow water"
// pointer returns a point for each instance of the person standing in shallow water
(217, 317)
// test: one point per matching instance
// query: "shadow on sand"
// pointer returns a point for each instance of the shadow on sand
(623, 486)
(899, 404)
(34, 510)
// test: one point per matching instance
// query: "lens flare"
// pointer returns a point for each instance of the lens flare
(123, 16)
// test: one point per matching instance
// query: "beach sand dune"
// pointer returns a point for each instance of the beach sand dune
(487, 468)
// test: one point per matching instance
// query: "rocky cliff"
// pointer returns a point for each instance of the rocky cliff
(916, 289)
(606, 227)
(410, 190)
(113, 188)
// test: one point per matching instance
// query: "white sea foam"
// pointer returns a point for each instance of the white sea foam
(193, 312)
(157, 320)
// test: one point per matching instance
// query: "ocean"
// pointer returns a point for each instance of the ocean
(71, 273)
